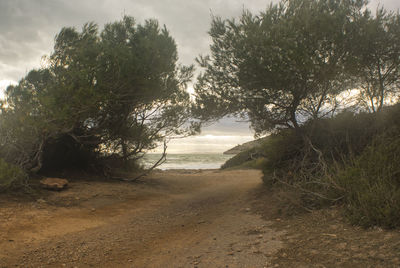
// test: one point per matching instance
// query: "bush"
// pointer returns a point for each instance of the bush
(10, 175)
(372, 185)
(340, 138)
(360, 164)
(281, 151)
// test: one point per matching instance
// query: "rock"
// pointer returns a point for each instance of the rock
(41, 201)
(54, 184)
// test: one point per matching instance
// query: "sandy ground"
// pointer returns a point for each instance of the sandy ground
(199, 219)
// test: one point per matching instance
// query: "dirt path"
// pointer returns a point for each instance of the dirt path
(170, 220)
(181, 219)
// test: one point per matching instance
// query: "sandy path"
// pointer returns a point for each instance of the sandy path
(171, 219)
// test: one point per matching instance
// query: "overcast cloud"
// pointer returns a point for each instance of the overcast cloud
(28, 27)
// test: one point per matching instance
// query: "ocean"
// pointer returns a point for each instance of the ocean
(187, 161)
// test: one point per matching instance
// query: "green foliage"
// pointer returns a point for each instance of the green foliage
(371, 186)
(376, 58)
(10, 175)
(286, 62)
(281, 150)
(360, 166)
(115, 93)
(257, 163)
(344, 136)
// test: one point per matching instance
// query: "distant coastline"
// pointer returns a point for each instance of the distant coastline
(243, 147)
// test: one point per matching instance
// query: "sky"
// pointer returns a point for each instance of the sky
(28, 28)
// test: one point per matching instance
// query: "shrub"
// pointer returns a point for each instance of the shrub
(10, 175)
(360, 166)
(338, 139)
(371, 185)
(281, 151)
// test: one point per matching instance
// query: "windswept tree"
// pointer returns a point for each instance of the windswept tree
(116, 94)
(376, 51)
(279, 67)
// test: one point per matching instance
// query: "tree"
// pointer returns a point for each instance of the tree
(376, 52)
(111, 94)
(279, 67)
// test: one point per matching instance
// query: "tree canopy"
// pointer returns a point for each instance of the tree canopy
(115, 93)
(290, 62)
(376, 55)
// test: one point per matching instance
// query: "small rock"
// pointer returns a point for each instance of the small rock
(93, 209)
(247, 209)
(41, 201)
(54, 183)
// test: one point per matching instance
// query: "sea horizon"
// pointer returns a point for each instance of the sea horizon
(184, 160)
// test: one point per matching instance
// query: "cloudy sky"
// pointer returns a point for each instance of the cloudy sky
(28, 27)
